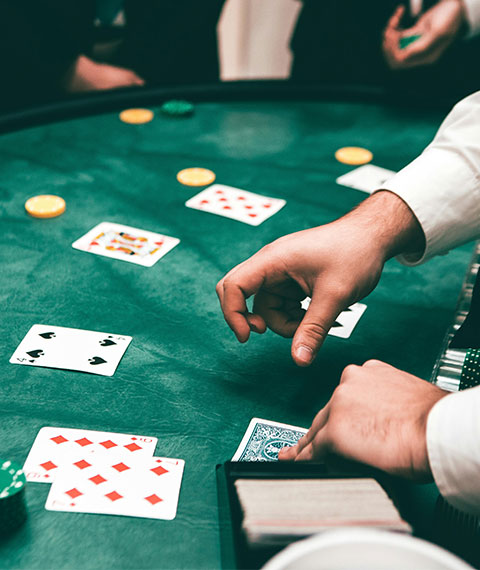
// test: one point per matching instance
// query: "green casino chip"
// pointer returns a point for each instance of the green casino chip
(177, 108)
(13, 511)
(407, 40)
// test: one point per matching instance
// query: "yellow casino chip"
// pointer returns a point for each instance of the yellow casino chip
(353, 155)
(46, 206)
(136, 116)
(196, 176)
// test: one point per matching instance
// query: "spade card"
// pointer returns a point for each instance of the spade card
(126, 243)
(57, 447)
(367, 178)
(264, 439)
(71, 349)
(246, 207)
(147, 488)
(346, 320)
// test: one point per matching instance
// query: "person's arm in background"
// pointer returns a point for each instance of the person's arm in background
(437, 29)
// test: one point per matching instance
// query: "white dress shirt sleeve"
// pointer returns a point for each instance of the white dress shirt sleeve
(453, 444)
(442, 185)
(442, 188)
(472, 12)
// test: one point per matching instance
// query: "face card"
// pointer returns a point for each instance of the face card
(367, 178)
(71, 349)
(264, 439)
(56, 447)
(126, 243)
(246, 207)
(346, 320)
(148, 488)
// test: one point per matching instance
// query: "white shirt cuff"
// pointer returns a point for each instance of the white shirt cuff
(472, 12)
(453, 444)
(442, 186)
(444, 195)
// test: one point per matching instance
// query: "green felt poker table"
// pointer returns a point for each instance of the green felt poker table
(184, 378)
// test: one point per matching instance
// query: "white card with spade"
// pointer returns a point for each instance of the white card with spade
(71, 349)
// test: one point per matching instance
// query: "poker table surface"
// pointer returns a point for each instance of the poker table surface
(185, 379)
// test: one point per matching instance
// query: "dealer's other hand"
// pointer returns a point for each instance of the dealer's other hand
(376, 416)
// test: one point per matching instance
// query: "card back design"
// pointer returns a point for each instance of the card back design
(264, 439)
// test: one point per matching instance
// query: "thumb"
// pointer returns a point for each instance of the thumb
(396, 18)
(313, 329)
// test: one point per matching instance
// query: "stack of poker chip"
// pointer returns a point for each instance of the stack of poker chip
(459, 368)
(13, 510)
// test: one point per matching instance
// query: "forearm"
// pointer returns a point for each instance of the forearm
(389, 223)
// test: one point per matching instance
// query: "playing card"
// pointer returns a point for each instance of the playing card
(346, 320)
(264, 439)
(367, 178)
(126, 243)
(246, 207)
(146, 488)
(71, 349)
(56, 447)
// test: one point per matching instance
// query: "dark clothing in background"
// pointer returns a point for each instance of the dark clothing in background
(166, 42)
(172, 41)
(38, 43)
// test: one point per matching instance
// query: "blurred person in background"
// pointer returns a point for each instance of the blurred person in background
(69, 46)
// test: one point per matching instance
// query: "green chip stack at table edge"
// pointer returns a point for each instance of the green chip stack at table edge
(471, 370)
(13, 510)
(177, 108)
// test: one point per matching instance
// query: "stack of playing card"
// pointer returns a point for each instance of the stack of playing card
(102, 472)
(278, 511)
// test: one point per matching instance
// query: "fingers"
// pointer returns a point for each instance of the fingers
(281, 314)
(235, 310)
(321, 419)
(233, 291)
(136, 80)
(316, 449)
(319, 318)
(396, 18)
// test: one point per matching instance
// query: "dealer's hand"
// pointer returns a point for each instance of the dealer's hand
(376, 416)
(336, 265)
(437, 28)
